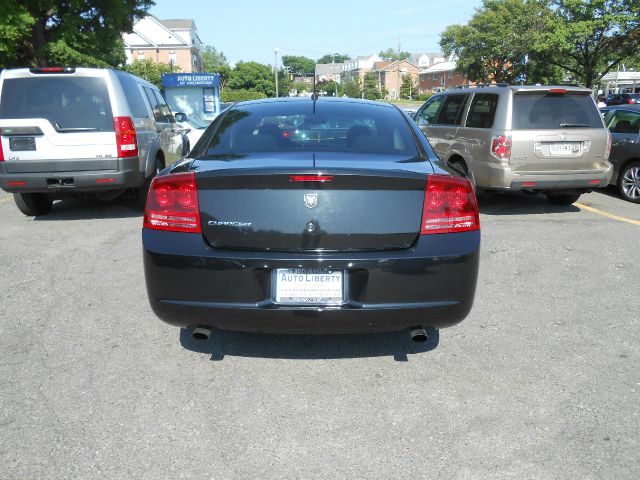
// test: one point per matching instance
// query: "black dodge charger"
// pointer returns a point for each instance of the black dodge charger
(311, 216)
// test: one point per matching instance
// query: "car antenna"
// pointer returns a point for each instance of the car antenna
(314, 95)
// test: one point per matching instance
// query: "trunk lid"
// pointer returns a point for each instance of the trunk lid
(373, 204)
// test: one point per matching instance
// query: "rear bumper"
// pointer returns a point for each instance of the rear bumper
(56, 176)
(502, 177)
(432, 284)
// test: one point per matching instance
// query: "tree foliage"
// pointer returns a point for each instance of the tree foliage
(391, 54)
(333, 58)
(212, 58)
(330, 87)
(252, 76)
(495, 46)
(532, 41)
(408, 87)
(371, 90)
(351, 88)
(72, 32)
(589, 38)
(299, 65)
(149, 70)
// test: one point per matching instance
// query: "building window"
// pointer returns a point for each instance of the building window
(435, 77)
(209, 100)
(450, 74)
(140, 55)
(442, 80)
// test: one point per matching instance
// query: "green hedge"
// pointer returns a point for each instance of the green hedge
(424, 97)
(240, 95)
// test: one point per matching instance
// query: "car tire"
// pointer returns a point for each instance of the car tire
(563, 199)
(143, 191)
(33, 204)
(629, 182)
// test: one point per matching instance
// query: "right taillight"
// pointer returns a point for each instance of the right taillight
(449, 206)
(172, 204)
(126, 137)
(1, 152)
(501, 147)
(607, 152)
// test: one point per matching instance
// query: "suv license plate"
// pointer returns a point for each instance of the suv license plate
(22, 144)
(560, 148)
(309, 286)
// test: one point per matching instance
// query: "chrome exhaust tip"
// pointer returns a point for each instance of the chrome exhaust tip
(418, 334)
(201, 333)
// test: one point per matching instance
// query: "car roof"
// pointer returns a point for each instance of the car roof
(319, 100)
(504, 88)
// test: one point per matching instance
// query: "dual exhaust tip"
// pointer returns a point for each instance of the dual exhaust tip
(417, 334)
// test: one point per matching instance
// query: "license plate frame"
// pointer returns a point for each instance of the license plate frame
(561, 148)
(22, 144)
(290, 291)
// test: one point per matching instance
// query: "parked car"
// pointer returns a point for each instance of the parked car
(537, 138)
(68, 131)
(355, 229)
(624, 124)
(623, 99)
(192, 126)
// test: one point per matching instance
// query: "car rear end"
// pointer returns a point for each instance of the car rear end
(65, 130)
(311, 242)
(554, 141)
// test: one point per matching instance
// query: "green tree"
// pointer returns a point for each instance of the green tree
(149, 70)
(333, 58)
(589, 38)
(351, 88)
(299, 65)
(72, 32)
(408, 87)
(496, 44)
(330, 87)
(225, 72)
(371, 90)
(252, 76)
(391, 54)
(212, 58)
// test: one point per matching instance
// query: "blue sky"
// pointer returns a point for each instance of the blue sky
(250, 29)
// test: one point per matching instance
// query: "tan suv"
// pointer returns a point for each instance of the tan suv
(538, 138)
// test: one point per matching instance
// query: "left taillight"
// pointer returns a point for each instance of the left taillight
(172, 204)
(449, 206)
(126, 137)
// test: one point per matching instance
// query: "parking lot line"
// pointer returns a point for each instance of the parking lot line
(606, 214)
(6, 199)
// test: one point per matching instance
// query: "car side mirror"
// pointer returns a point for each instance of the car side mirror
(180, 117)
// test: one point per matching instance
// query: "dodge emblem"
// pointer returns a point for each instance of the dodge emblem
(310, 200)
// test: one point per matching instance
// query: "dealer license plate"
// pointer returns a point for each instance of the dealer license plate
(561, 148)
(309, 286)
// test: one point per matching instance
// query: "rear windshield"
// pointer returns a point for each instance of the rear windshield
(542, 111)
(297, 125)
(69, 103)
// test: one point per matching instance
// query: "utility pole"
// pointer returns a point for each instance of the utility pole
(333, 71)
(275, 70)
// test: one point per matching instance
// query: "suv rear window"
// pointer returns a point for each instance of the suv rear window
(542, 111)
(69, 103)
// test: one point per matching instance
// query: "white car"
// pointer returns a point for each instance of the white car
(193, 127)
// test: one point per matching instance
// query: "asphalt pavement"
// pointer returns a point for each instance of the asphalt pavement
(541, 381)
